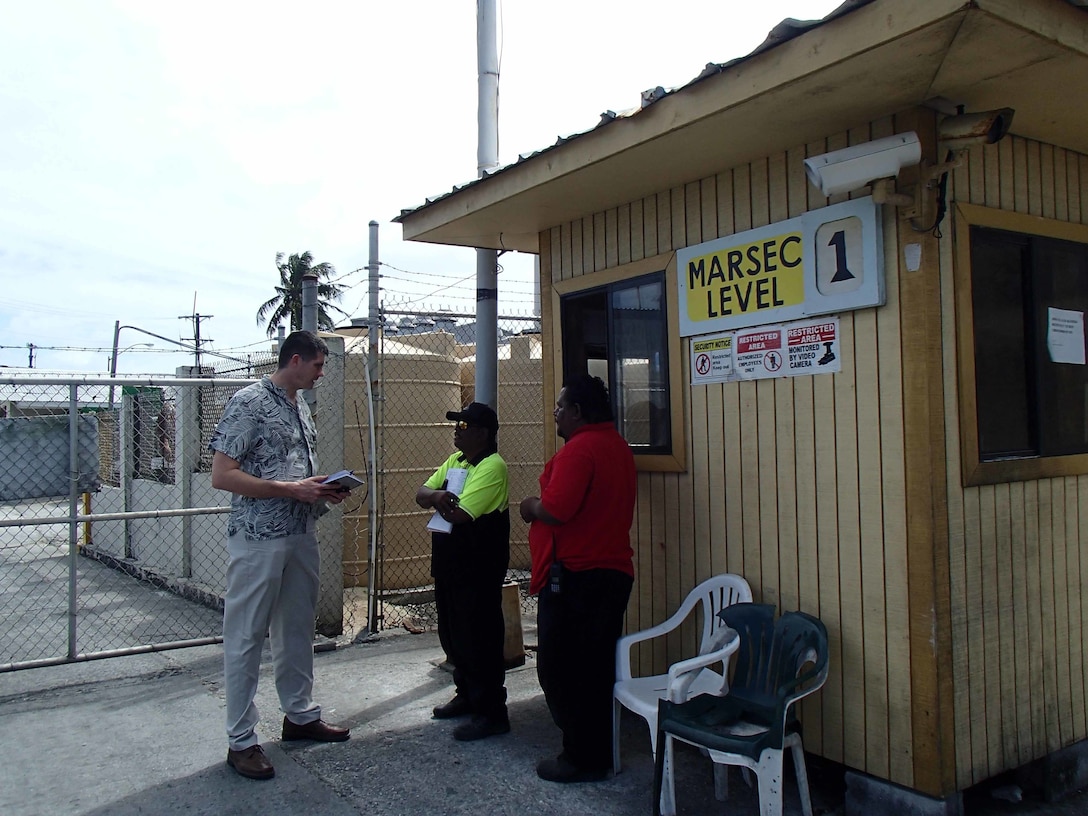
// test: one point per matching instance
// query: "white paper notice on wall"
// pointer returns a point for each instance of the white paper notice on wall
(1065, 336)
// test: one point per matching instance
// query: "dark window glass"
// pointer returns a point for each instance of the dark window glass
(1061, 275)
(998, 282)
(619, 333)
(1027, 404)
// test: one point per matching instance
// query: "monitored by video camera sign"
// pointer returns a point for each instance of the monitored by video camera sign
(827, 260)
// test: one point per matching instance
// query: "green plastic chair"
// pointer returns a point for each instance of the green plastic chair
(777, 664)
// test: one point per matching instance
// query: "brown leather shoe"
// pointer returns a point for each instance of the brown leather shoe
(318, 730)
(251, 762)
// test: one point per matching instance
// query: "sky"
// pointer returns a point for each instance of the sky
(155, 157)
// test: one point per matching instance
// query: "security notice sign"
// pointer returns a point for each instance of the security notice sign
(712, 359)
(784, 350)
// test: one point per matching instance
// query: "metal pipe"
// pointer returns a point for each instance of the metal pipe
(487, 158)
(309, 322)
(15, 379)
(374, 329)
(132, 514)
(487, 327)
(373, 316)
(73, 510)
(309, 302)
(487, 108)
(132, 650)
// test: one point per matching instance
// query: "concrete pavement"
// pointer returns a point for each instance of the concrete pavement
(144, 735)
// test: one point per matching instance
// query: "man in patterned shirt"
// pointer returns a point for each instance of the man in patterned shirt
(263, 453)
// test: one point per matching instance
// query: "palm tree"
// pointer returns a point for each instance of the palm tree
(287, 304)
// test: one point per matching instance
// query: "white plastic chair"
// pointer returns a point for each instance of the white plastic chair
(686, 678)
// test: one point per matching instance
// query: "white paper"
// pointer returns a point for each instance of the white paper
(437, 524)
(455, 483)
(455, 480)
(1065, 336)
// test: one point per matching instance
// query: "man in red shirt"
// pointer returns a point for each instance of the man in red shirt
(579, 540)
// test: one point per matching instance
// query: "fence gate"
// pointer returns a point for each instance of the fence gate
(111, 536)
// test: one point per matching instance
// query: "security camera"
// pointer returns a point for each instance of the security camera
(849, 169)
(966, 129)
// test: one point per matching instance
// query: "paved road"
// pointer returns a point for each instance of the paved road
(143, 735)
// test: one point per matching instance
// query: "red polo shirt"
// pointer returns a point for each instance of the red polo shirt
(589, 485)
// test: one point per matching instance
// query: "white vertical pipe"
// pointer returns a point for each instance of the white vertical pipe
(487, 158)
(487, 66)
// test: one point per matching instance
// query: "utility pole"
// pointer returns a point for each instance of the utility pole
(196, 317)
(30, 348)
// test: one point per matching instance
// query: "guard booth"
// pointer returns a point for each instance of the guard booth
(856, 379)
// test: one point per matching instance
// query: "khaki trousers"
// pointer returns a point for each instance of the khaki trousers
(272, 588)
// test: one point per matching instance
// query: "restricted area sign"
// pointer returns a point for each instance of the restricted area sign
(784, 350)
(813, 347)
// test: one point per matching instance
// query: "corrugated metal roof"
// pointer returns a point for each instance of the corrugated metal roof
(781, 33)
(785, 31)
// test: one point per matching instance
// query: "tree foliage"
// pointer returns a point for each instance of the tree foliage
(286, 306)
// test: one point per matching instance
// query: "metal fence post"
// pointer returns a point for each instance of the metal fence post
(187, 458)
(330, 456)
(73, 511)
(127, 451)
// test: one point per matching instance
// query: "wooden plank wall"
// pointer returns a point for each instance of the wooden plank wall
(1018, 561)
(796, 483)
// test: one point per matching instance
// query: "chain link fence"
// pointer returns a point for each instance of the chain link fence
(426, 366)
(112, 538)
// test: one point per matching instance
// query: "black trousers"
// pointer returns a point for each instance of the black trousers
(472, 633)
(577, 631)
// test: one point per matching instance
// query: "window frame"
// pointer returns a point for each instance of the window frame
(676, 460)
(974, 470)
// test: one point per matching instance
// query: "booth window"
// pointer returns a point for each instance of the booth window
(619, 332)
(1028, 297)
(621, 324)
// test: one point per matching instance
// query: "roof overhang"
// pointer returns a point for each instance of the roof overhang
(875, 59)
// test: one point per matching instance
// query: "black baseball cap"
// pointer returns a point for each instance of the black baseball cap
(476, 413)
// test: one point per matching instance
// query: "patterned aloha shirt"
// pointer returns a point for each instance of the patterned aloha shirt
(271, 438)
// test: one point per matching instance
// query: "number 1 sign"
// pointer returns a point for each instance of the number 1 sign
(827, 260)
